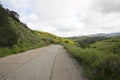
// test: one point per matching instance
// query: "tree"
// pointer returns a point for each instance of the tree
(1, 5)
(14, 15)
(8, 35)
(3, 15)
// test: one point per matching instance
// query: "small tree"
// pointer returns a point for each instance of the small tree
(1, 5)
(14, 15)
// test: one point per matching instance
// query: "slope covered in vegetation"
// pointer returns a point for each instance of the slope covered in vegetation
(101, 59)
(111, 45)
(16, 37)
(85, 41)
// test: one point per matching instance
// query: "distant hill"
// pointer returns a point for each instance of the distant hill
(111, 45)
(85, 41)
(98, 35)
(107, 43)
(106, 35)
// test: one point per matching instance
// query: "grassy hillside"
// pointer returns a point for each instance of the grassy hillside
(85, 41)
(98, 65)
(101, 59)
(51, 38)
(79, 38)
(48, 37)
(111, 45)
(16, 37)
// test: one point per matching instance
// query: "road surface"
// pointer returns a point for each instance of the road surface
(47, 63)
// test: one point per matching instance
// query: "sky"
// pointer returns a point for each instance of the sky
(67, 18)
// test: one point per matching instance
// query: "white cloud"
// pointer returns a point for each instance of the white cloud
(107, 6)
(69, 17)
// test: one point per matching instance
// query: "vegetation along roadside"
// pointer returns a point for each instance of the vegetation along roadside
(99, 64)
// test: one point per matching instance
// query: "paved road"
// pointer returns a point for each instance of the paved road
(47, 63)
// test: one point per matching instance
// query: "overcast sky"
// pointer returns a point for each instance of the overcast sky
(68, 17)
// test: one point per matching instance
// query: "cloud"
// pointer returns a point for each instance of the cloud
(107, 6)
(69, 17)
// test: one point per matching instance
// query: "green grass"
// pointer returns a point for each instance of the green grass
(98, 65)
(5, 51)
(108, 46)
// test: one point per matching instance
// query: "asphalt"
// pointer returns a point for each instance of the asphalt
(47, 63)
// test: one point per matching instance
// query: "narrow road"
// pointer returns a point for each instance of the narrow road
(47, 63)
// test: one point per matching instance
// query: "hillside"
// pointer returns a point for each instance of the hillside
(100, 58)
(16, 37)
(85, 41)
(102, 43)
(111, 45)
(106, 34)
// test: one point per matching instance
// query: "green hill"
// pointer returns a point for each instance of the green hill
(85, 41)
(111, 45)
(101, 60)
(104, 44)
(16, 37)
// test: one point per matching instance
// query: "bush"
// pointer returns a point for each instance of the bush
(109, 69)
(8, 36)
